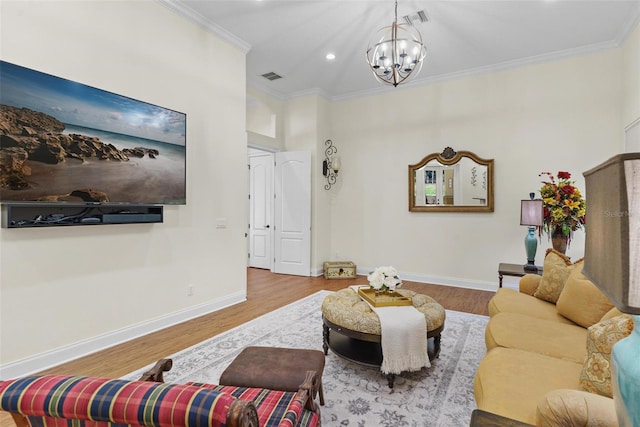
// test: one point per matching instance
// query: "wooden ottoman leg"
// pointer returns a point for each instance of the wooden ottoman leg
(391, 379)
(325, 338)
(436, 344)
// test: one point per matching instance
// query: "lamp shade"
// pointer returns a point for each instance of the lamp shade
(612, 245)
(531, 212)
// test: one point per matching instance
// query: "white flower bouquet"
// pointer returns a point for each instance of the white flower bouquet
(384, 279)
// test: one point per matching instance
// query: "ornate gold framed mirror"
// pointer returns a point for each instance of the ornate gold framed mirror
(451, 182)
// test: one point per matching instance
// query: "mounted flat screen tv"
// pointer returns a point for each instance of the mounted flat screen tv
(65, 142)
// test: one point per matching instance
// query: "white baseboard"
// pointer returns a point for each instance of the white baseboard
(439, 280)
(39, 362)
(451, 281)
(435, 280)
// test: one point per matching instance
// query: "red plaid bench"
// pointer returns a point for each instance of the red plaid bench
(62, 400)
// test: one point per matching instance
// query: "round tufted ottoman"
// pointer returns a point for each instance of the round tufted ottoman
(352, 329)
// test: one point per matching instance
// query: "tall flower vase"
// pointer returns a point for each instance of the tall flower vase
(559, 240)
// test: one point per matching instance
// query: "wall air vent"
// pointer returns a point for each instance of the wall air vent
(419, 17)
(271, 76)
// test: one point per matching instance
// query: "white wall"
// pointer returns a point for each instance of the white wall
(71, 290)
(631, 90)
(631, 77)
(265, 118)
(564, 115)
(306, 127)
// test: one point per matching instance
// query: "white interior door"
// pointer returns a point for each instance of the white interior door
(292, 211)
(260, 207)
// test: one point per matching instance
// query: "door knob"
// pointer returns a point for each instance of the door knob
(267, 226)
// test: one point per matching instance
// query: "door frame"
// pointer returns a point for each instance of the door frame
(266, 150)
(266, 261)
(269, 150)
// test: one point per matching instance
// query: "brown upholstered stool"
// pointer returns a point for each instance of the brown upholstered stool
(275, 368)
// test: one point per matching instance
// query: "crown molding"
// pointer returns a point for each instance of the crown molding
(311, 92)
(181, 9)
(262, 87)
(531, 60)
(626, 30)
(259, 86)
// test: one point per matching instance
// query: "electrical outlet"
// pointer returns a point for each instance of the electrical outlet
(190, 290)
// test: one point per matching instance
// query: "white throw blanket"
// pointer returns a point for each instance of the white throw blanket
(403, 338)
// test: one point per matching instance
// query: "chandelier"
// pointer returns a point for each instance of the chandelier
(396, 53)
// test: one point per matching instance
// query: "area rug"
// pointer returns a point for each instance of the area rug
(355, 395)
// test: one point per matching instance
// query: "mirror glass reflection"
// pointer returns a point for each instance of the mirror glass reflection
(451, 181)
(464, 183)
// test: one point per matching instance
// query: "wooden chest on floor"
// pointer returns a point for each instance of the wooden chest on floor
(339, 270)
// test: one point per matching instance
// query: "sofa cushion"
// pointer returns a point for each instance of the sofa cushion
(515, 330)
(512, 301)
(510, 382)
(556, 271)
(581, 301)
(596, 373)
(575, 408)
(528, 284)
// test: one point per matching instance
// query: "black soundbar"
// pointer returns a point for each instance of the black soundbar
(127, 218)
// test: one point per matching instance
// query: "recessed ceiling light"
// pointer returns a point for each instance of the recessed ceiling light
(330, 57)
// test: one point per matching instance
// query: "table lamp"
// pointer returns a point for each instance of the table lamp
(612, 263)
(531, 215)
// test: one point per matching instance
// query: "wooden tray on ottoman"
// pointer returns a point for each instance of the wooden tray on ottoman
(389, 299)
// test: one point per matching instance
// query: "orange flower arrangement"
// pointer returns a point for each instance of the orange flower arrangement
(564, 206)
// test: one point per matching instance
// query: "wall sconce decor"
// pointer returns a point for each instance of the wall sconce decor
(531, 215)
(330, 164)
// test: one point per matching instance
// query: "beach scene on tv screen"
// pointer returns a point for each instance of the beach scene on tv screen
(62, 141)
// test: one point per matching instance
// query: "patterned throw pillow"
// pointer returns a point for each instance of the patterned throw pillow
(557, 268)
(596, 372)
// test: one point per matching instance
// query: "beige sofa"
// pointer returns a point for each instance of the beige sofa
(548, 349)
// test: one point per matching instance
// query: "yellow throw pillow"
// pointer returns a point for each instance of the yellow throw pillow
(554, 275)
(596, 372)
(581, 301)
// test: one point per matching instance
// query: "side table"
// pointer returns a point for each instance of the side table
(516, 270)
(480, 418)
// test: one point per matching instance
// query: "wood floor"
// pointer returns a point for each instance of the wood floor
(266, 291)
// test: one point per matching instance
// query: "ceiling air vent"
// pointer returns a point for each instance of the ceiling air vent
(419, 17)
(271, 76)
